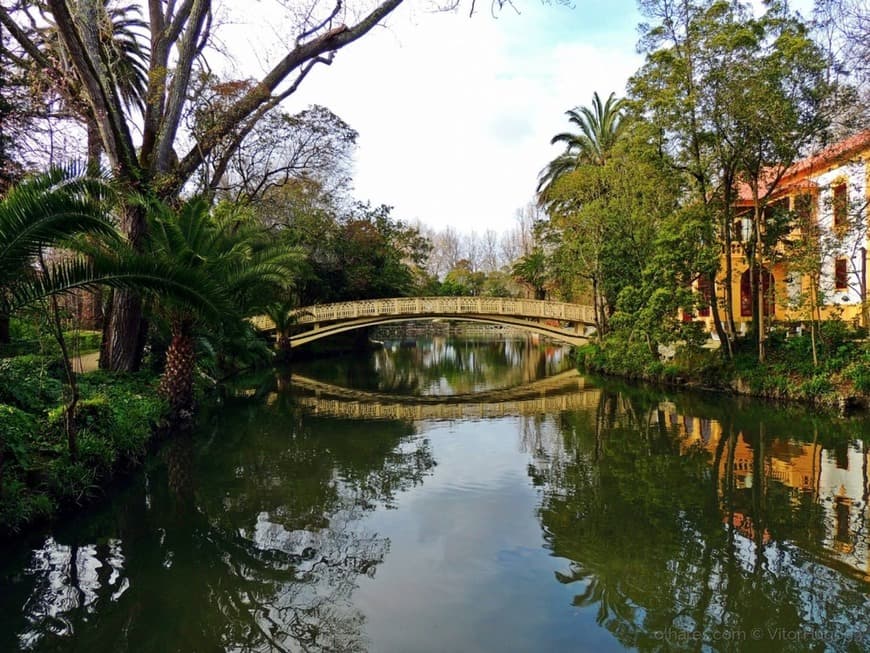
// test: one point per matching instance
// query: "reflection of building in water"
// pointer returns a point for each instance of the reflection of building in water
(836, 478)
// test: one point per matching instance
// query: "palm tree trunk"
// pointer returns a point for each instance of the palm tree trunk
(176, 384)
(284, 351)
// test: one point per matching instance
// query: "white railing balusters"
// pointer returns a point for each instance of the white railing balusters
(446, 306)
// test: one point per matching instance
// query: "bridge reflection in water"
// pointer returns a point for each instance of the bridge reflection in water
(565, 391)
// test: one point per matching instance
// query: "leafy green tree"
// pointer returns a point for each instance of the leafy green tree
(788, 112)
(55, 209)
(735, 98)
(378, 255)
(178, 34)
(463, 281)
(43, 211)
(603, 220)
(686, 89)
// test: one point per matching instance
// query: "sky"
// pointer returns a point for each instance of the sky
(455, 113)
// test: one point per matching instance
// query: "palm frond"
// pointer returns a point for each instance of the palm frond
(47, 210)
(135, 272)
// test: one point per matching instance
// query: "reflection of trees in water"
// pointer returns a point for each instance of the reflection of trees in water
(655, 540)
(444, 366)
(255, 547)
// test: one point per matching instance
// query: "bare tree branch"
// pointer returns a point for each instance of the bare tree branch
(332, 40)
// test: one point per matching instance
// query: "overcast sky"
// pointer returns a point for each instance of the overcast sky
(455, 114)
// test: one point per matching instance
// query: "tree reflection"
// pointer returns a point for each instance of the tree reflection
(222, 546)
(443, 366)
(665, 533)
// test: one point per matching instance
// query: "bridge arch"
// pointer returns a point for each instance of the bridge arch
(559, 320)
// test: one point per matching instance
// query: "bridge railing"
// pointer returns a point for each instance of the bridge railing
(446, 306)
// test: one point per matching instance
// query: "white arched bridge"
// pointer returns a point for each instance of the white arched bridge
(569, 323)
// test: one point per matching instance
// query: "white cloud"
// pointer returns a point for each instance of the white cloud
(455, 114)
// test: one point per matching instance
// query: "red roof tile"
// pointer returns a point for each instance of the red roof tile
(797, 174)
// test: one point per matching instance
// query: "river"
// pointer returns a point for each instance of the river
(464, 495)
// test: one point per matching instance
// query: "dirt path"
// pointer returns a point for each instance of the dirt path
(86, 362)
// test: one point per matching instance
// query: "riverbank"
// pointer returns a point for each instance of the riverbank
(117, 417)
(840, 379)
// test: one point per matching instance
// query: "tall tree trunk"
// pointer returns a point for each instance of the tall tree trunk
(729, 275)
(724, 339)
(124, 337)
(759, 279)
(599, 319)
(95, 152)
(95, 144)
(813, 314)
(106, 312)
(283, 348)
(176, 384)
(123, 349)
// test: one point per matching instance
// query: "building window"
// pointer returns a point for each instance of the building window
(747, 298)
(742, 229)
(841, 207)
(841, 274)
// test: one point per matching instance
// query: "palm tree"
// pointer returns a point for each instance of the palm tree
(600, 127)
(284, 317)
(531, 270)
(54, 209)
(233, 264)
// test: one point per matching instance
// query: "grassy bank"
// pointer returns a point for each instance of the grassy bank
(840, 378)
(117, 417)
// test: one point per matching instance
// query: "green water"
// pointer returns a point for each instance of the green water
(464, 496)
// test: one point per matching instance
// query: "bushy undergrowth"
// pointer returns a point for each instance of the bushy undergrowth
(843, 367)
(27, 339)
(635, 360)
(116, 418)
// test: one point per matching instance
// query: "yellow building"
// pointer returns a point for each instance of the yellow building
(829, 193)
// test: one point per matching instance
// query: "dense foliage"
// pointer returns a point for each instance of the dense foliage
(641, 205)
(117, 416)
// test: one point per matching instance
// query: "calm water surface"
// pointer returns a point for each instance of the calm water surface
(456, 495)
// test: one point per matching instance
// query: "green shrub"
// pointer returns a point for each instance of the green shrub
(834, 334)
(703, 366)
(20, 506)
(93, 414)
(671, 372)
(815, 387)
(70, 481)
(115, 416)
(858, 371)
(29, 382)
(16, 429)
